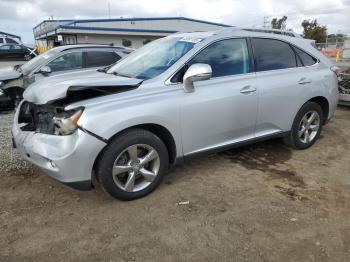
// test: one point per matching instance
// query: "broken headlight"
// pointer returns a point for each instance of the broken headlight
(67, 124)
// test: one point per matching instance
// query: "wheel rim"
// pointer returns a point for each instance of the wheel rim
(308, 127)
(136, 167)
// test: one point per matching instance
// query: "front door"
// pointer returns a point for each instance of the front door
(223, 109)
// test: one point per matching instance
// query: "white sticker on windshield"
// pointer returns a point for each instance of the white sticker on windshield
(191, 39)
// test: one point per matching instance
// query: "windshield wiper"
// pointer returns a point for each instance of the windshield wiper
(104, 69)
(117, 74)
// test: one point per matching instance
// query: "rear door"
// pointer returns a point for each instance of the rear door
(284, 84)
(17, 51)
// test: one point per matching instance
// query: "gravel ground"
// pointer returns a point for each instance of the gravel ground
(263, 202)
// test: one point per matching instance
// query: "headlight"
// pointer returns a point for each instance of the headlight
(1, 92)
(69, 123)
(1, 83)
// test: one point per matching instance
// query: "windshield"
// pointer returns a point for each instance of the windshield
(154, 58)
(38, 60)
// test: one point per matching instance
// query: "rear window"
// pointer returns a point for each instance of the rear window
(271, 54)
(1, 41)
(10, 41)
(100, 58)
(306, 59)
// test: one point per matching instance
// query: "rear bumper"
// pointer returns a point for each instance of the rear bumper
(68, 159)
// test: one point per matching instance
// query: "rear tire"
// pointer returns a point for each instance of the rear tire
(307, 126)
(132, 165)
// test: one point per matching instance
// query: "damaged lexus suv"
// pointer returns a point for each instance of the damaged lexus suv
(174, 98)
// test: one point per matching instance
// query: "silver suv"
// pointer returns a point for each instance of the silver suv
(176, 97)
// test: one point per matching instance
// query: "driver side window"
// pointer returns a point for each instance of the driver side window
(226, 57)
(68, 61)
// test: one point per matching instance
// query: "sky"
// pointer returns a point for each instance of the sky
(20, 16)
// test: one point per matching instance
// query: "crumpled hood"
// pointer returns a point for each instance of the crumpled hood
(8, 73)
(56, 87)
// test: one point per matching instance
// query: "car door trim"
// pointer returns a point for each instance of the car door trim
(216, 149)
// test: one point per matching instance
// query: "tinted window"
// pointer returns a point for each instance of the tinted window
(272, 54)
(69, 61)
(100, 58)
(1, 40)
(10, 41)
(5, 47)
(226, 57)
(16, 47)
(306, 59)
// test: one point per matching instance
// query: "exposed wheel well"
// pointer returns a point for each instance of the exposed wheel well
(165, 135)
(323, 102)
(13, 90)
(158, 130)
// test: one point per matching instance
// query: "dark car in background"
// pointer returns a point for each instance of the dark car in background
(58, 60)
(18, 51)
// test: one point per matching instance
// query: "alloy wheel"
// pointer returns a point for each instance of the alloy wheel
(136, 167)
(308, 127)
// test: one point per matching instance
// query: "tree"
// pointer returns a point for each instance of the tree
(312, 30)
(279, 23)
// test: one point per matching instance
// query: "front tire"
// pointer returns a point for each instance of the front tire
(132, 165)
(307, 126)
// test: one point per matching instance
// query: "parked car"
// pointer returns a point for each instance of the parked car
(4, 39)
(59, 60)
(177, 97)
(10, 51)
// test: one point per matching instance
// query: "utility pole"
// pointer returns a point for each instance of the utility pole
(266, 22)
(109, 9)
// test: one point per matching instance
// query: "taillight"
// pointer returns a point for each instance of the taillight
(336, 70)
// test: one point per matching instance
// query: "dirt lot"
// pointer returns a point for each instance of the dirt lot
(259, 203)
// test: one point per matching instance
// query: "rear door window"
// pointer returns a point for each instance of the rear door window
(306, 59)
(100, 58)
(271, 54)
(5, 47)
(1, 40)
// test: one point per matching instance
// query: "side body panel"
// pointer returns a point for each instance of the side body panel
(217, 113)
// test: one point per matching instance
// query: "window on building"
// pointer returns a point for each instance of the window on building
(126, 42)
(271, 54)
(10, 41)
(68, 61)
(100, 58)
(306, 59)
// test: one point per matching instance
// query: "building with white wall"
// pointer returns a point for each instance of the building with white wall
(130, 32)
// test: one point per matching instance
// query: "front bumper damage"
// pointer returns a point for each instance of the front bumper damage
(68, 159)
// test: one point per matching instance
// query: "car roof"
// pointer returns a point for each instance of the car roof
(89, 46)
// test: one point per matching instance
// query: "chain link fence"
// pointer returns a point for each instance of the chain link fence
(337, 50)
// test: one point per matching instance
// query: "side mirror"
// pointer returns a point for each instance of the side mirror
(45, 70)
(196, 72)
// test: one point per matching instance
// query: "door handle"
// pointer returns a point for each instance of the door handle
(304, 81)
(247, 90)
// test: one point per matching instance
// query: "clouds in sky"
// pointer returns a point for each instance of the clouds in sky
(20, 16)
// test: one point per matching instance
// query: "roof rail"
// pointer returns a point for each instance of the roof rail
(271, 31)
